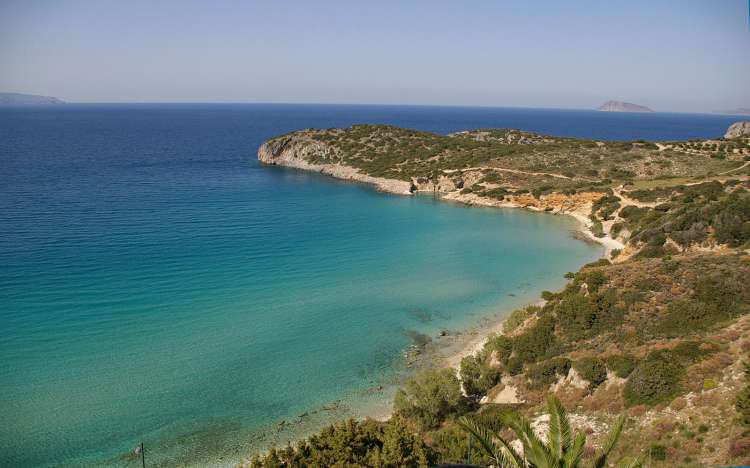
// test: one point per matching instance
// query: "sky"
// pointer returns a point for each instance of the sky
(679, 55)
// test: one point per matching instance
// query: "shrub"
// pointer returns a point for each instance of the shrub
(477, 376)
(592, 369)
(742, 401)
(502, 345)
(658, 452)
(548, 295)
(537, 342)
(655, 380)
(547, 372)
(517, 317)
(621, 364)
(430, 397)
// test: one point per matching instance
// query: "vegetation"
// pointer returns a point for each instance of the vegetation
(563, 448)
(431, 397)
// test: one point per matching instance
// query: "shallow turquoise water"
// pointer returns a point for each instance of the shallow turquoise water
(158, 285)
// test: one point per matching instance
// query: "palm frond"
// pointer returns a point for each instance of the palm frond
(601, 458)
(575, 452)
(497, 448)
(535, 450)
(559, 427)
(631, 463)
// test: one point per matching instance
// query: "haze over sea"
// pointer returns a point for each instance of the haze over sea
(157, 284)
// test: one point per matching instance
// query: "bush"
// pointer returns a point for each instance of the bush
(621, 364)
(658, 452)
(537, 342)
(353, 443)
(517, 317)
(430, 397)
(477, 376)
(742, 402)
(546, 373)
(502, 345)
(592, 369)
(655, 380)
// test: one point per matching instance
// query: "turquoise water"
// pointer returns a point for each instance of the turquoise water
(158, 285)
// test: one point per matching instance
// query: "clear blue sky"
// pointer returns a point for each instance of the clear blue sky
(670, 55)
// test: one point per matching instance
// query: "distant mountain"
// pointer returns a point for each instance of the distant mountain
(738, 111)
(619, 106)
(17, 99)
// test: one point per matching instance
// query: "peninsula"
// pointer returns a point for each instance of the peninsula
(658, 331)
(18, 99)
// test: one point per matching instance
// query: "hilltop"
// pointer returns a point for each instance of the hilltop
(17, 99)
(619, 106)
(658, 331)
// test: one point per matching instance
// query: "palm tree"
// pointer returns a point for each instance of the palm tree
(563, 450)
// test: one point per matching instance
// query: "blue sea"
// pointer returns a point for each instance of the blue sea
(158, 285)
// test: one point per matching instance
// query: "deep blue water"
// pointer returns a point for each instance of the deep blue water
(158, 285)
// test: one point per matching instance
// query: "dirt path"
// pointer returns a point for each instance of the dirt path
(514, 171)
(735, 169)
(627, 201)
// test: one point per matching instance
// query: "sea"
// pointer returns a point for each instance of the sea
(159, 286)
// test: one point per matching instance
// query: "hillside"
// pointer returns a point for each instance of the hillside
(17, 99)
(659, 332)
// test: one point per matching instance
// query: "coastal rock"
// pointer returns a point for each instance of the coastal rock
(310, 155)
(619, 106)
(738, 129)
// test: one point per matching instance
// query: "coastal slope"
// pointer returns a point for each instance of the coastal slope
(659, 332)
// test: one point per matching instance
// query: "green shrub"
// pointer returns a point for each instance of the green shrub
(502, 345)
(657, 452)
(517, 317)
(621, 364)
(477, 376)
(537, 342)
(655, 380)
(547, 372)
(592, 369)
(430, 397)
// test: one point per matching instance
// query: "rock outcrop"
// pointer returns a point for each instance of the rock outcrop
(619, 106)
(738, 129)
(303, 153)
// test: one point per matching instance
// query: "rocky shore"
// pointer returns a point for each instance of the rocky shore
(297, 153)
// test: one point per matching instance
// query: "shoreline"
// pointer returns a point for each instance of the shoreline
(470, 340)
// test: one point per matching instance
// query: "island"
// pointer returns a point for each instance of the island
(18, 99)
(619, 106)
(737, 111)
(657, 331)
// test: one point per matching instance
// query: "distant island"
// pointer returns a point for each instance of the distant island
(737, 111)
(18, 99)
(619, 106)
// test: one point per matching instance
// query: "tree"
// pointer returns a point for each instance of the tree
(563, 450)
(430, 397)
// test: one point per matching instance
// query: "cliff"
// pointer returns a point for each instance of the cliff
(619, 106)
(298, 152)
(738, 130)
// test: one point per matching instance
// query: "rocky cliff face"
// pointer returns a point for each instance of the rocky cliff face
(619, 106)
(299, 152)
(738, 129)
